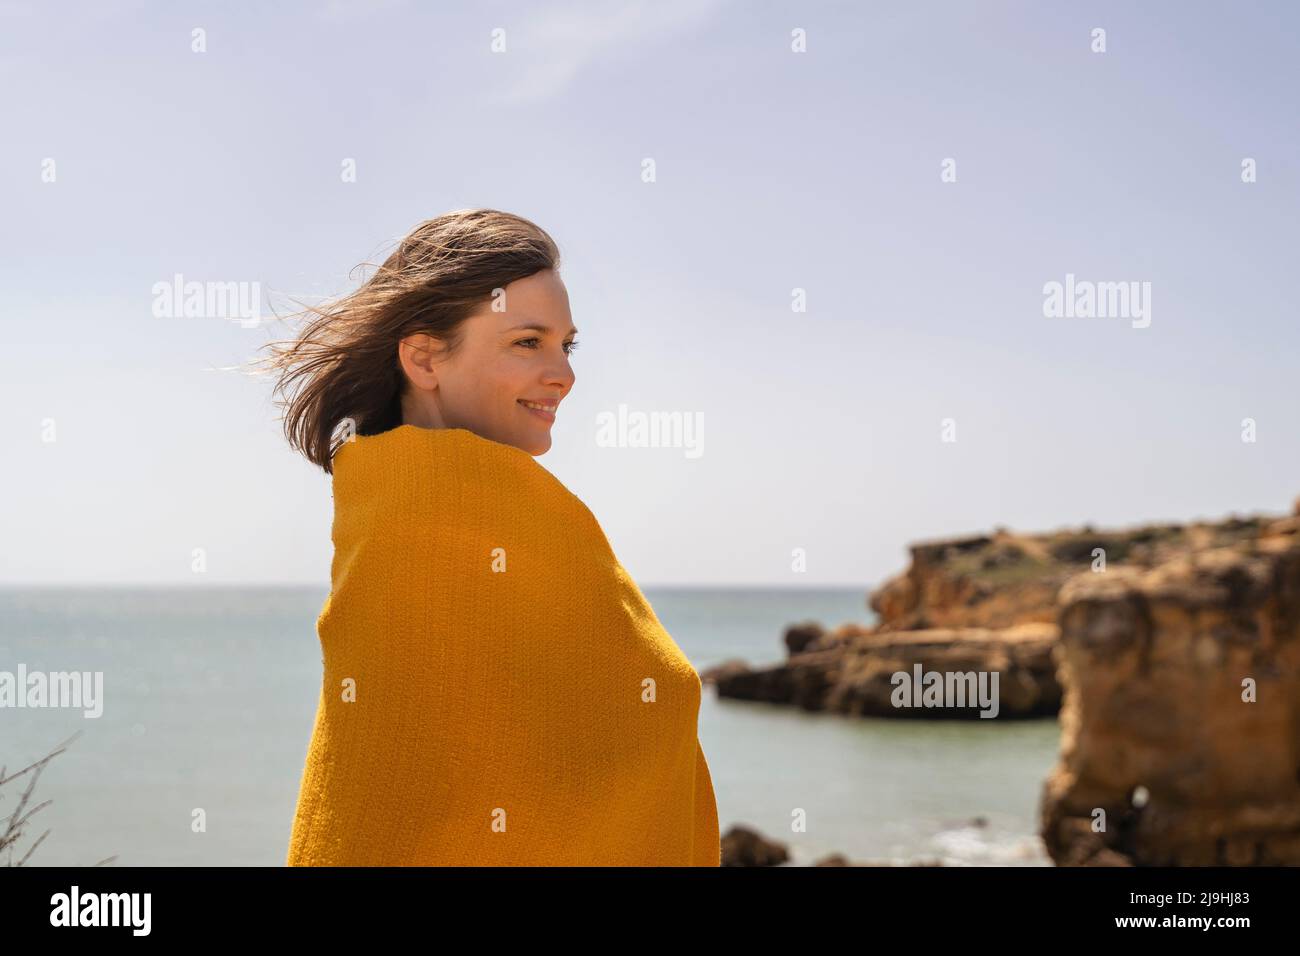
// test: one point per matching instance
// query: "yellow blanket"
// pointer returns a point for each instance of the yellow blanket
(496, 691)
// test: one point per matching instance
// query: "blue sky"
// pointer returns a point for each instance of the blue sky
(775, 170)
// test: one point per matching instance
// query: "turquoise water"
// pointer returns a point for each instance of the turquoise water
(210, 693)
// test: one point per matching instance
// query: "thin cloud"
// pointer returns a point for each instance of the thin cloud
(348, 11)
(558, 44)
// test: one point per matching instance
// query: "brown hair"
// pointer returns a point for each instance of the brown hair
(344, 365)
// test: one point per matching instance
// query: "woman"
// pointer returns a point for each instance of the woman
(496, 690)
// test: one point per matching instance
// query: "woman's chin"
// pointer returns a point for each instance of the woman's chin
(535, 442)
(539, 445)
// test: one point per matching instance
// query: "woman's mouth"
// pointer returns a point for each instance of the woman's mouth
(541, 409)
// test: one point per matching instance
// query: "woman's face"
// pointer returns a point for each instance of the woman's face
(506, 358)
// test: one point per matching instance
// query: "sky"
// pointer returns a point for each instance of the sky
(920, 170)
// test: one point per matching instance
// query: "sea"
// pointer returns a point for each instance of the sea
(209, 696)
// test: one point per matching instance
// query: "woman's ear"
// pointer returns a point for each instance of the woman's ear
(419, 355)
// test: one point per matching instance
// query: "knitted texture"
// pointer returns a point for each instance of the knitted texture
(497, 691)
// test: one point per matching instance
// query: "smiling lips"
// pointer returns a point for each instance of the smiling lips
(543, 410)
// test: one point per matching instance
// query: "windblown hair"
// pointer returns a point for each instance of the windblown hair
(343, 364)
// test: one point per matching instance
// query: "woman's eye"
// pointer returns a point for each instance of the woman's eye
(532, 343)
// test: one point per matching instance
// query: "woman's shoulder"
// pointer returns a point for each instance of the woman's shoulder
(445, 471)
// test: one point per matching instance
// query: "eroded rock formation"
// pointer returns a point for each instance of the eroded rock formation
(987, 603)
(852, 673)
(1178, 652)
(1181, 717)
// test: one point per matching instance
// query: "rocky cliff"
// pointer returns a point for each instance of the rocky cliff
(1172, 651)
(1181, 721)
(980, 604)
